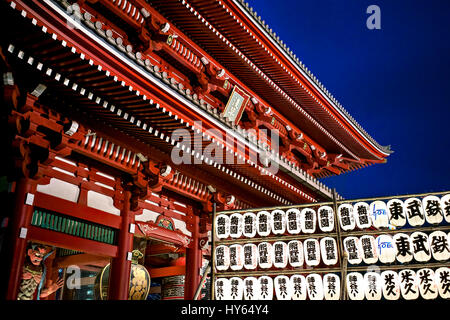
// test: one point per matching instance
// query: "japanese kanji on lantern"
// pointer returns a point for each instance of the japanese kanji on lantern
(390, 248)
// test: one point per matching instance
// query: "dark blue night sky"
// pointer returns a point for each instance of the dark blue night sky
(395, 82)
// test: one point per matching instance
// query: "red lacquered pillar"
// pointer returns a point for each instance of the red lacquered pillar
(21, 218)
(193, 262)
(119, 279)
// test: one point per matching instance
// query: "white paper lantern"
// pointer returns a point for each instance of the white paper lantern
(378, 212)
(445, 204)
(283, 287)
(265, 255)
(278, 221)
(328, 250)
(408, 284)
(404, 247)
(353, 249)
(346, 217)
(236, 288)
(372, 286)
(250, 256)
(251, 288)
(263, 223)
(396, 212)
(298, 284)
(222, 289)
(391, 285)
(355, 286)
(222, 258)
(325, 216)
(222, 226)
(440, 247)
(293, 221)
(314, 286)
(311, 249)
(361, 210)
(331, 286)
(265, 288)
(414, 212)
(236, 225)
(295, 250)
(421, 246)
(308, 220)
(369, 249)
(236, 257)
(385, 248)
(249, 225)
(427, 286)
(442, 279)
(434, 213)
(280, 254)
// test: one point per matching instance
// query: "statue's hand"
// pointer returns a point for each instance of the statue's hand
(52, 288)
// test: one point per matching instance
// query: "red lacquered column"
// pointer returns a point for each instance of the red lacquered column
(193, 262)
(119, 279)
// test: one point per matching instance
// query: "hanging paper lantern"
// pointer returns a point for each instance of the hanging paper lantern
(222, 258)
(442, 279)
(222, 289)
(236, 257)
(391, 285)
(369, 249)
(328, 250)
(361, 210)
(278, 222)
(355, 286)
(139, 286)
(353, 250)
(385, 248)
(263, 223)
(251, 288)
(265, 258)
(293, 221)
(250, 256)
(308, 220)
(434, 213)
(404, 247)
(314, 286)
(331, 286)
(236, 288)
(421, 246)
(249, 225)
(325, 218)
(236, 225)
(295, 250)
(346, 217)
(280, 254)
(396, 213)
(222, 226)
(265, 288)
(378, 212)
(414, 212)
(311, 249)
(298, 283)
(372, 286)
(283, 288)
(408, 284)
(445, 204)
(440, 247)
(427, 286)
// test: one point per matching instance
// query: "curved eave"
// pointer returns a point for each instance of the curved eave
(290, 82)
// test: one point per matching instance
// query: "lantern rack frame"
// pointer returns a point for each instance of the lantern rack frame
(338, 234)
